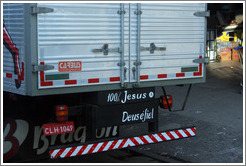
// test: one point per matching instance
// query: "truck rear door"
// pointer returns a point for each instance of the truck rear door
(98, 44)
(83, 42)
(168, 37)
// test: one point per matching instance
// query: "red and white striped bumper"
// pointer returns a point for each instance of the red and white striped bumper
(122, 143)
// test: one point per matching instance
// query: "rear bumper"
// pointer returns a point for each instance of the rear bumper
(122, 143)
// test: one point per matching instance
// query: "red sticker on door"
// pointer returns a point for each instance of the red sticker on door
(67, 66)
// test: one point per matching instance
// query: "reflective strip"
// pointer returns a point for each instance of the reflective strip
(189, 74)
(182, 133)
(166, 136)
(139, 140)
(82, 149)
(148, 139)
(87, 149)
(174, 134)
(199, 73)
(97, 147)
(93, 80)
(114, 79)
(157, 138)
(71, 151)
(58, 83)
(153, 77)
(128, 143)
(144, 77)
(122, 143)
(104, 80)
(70, 82)
(178, 133)
(10, 76)
(110, 79)
(54, 152)
(191, 132)
(108, 145)
(162, 75)
(118, 144)
(65, 152)
(76, 151)
(172, 75)
(180, 74)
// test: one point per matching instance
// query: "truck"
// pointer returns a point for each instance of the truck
(78, 76)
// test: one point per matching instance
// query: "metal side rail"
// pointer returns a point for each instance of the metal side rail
(122, 143)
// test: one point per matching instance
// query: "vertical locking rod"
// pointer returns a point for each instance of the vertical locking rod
(138, 44)
(122, 78)
(130, 40)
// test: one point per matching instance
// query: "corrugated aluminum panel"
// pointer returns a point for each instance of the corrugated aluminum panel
(13, 16)
(175, 27)
(70, 33)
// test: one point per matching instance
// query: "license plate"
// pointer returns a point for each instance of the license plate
(58, 128)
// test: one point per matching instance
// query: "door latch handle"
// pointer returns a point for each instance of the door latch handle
(152, 48)
(134, 72)
(125, 70)
(106, 50)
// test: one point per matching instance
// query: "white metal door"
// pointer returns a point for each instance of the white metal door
(93, 44)
(83, 42)
(168, 38)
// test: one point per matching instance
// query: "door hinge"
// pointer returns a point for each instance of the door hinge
(121, 12)
(201, 60)
(137, 63)
(39, 10)
(121, 64)
(202, 14)
(42, 67)
(138, 12)
(134, 72)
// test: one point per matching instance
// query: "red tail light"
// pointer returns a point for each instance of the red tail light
(163, 103)
(61, 113)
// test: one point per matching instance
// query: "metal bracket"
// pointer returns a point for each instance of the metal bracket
(152, 48)
(121, 64)
(125, 70)
(139, 12)
(134, 72)
(121, 12)
(137, 63)
(42, 67)
(136, 84)
(39, 10)
(202, 14)
(185, 100)
(106, 50)
(201, 60)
